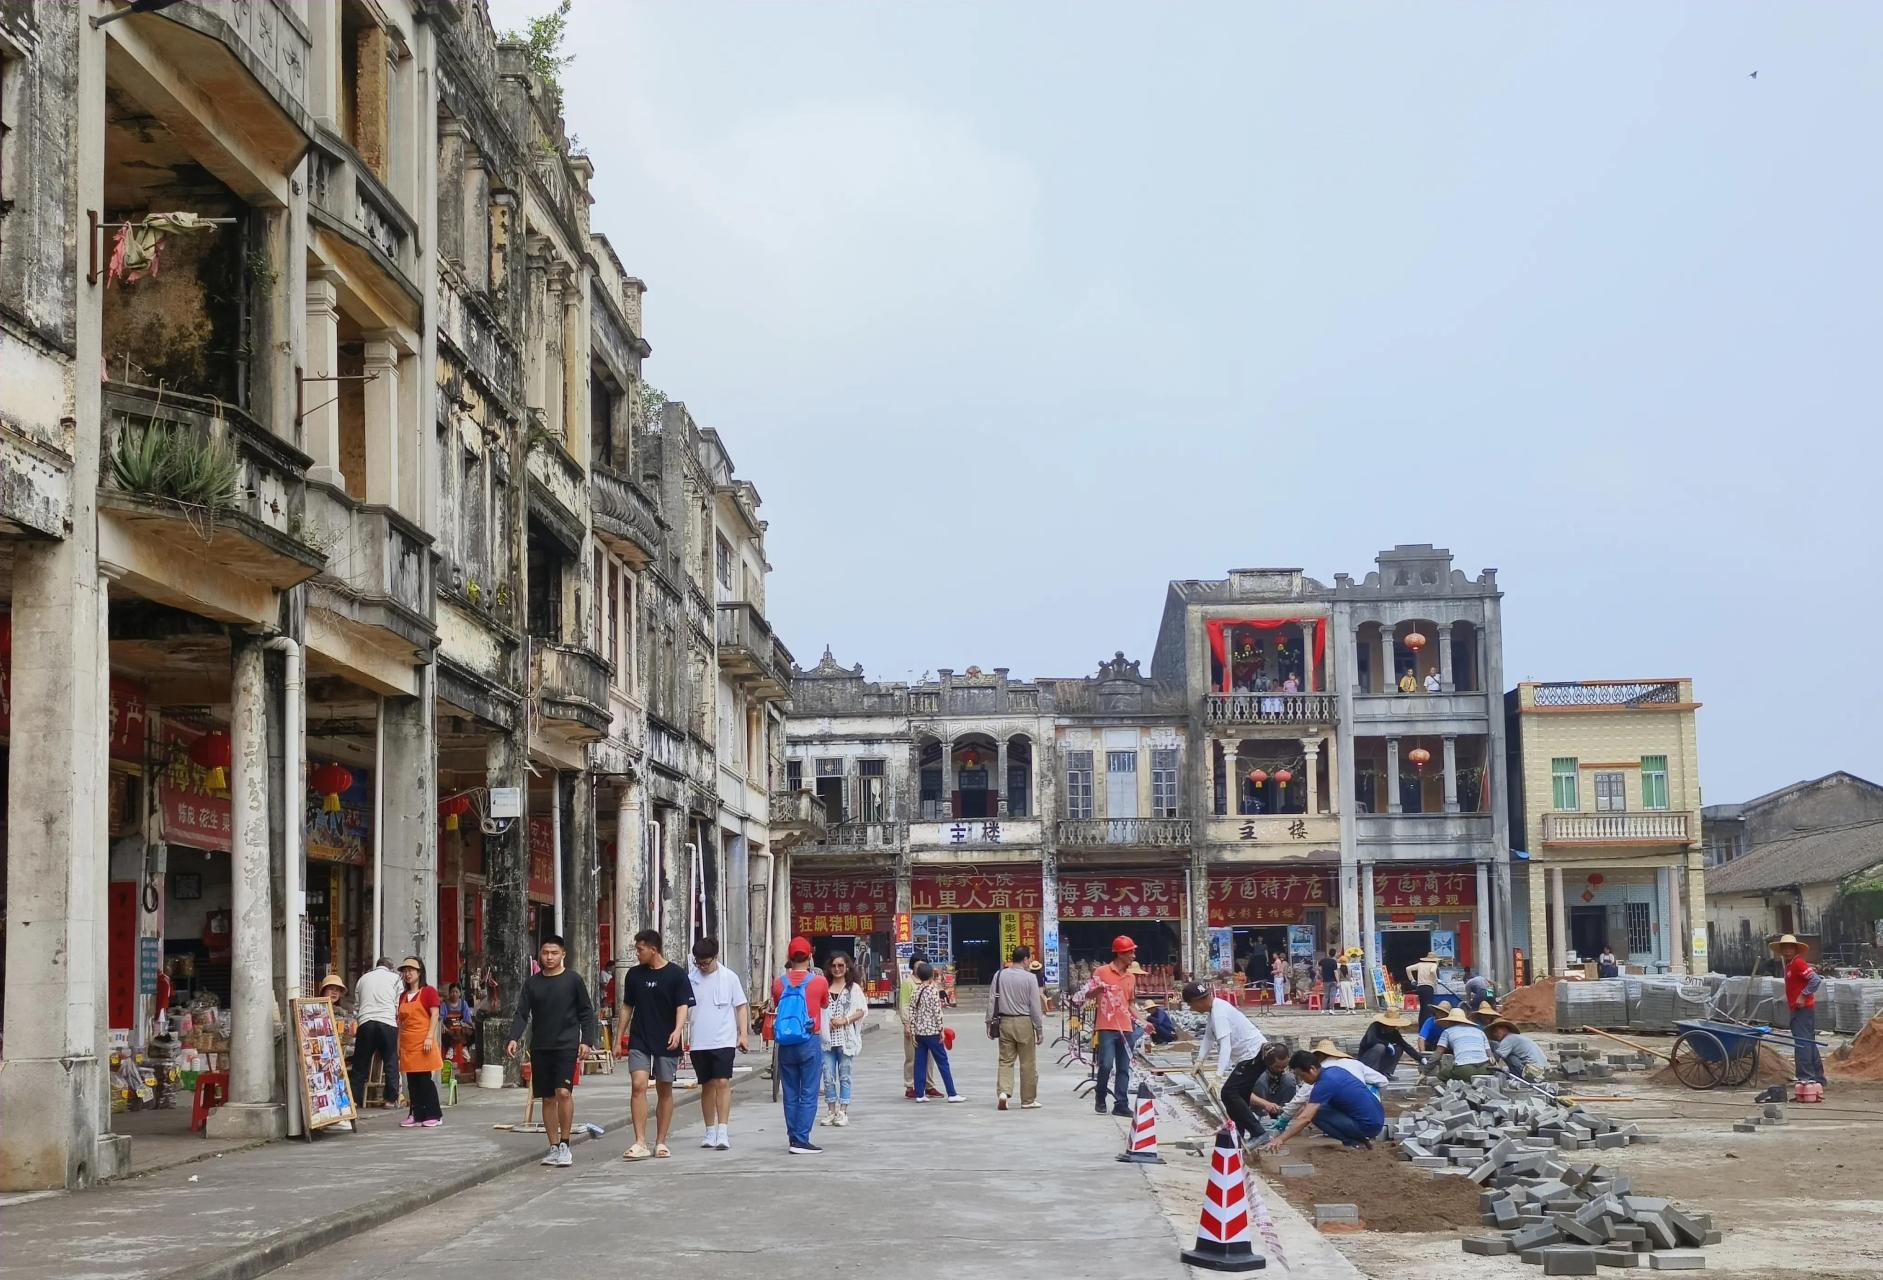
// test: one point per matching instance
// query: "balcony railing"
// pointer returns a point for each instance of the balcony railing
(558, 486)
(1607, 693)
(748, 650)
(349, 199)
(859, 835)
(1093, 833)
(268, 37)
(1270, 708)
(797, 816)
(1615, 828)
(623, 513)
(376, 559)
(572, 686)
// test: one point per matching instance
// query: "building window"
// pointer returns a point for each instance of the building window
(1078, 784)
(872, 791)
(9, 123)
(1121, 784)
(830, 789)
(1654, 782)
(1611, 793)
(722, 566)
(1017, 778)
(614, 622)
(1563, 784)
(1640, 929)
(1164, 782)
(794, 775)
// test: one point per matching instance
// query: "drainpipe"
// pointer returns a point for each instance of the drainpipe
(379, 828)
(294, 798)
(555, 843)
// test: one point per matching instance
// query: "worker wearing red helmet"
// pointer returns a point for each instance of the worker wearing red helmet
(1117, 990)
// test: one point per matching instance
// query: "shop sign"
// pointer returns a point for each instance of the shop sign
(127, 715)
(149, 961)
(193, 815)
(1400, 889)
(542, 860)
(1444, 944)
(975, 891)
(1265, 897)
(905, 931)
(854, 906)
(345, 836)
(1300, 940)
(1121, 897)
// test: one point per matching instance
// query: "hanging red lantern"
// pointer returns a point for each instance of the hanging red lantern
(1258, 776)
(213, 753)
(1284, 776)
(454, 808)
(1420, 757)
(969, 759)
(1415, 642)
(330, 780)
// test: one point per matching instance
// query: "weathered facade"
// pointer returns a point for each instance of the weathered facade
(357, 589)
(1267, 773)
(1604, 785)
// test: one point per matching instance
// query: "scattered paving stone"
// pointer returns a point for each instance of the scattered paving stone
(1297, 1171)
(1487, 1246)
(1569, 1262)
(1683, 1261)
(1336, 1213)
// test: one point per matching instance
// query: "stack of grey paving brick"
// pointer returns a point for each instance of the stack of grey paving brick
(1755, 1000)
(1602, 1003)
(1658, 1003)
(1565, 1214)
(1853, 1002)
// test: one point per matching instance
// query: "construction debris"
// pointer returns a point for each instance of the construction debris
(1563, 1214)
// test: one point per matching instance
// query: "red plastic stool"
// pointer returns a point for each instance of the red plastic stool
(209, 1083)
(1314, 1000)
(1410, 1003)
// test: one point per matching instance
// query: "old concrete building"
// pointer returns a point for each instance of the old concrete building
(1267, 774)
(356, 586)
(1604, 783)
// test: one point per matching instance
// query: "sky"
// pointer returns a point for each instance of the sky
(1016, 312)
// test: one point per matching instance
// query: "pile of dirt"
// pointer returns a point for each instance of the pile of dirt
(1391, 1194)
(1532, 1008)
(1862, 1058)
(1774, 1068)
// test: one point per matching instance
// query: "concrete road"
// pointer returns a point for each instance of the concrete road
(936, 1190)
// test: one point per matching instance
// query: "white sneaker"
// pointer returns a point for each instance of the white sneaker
(711, 1139)
(565, 1158)
(550, 1160)
(1029, 1106)
(724, 1140)
(843, 1117)
(957, 1097)
(830, 1118)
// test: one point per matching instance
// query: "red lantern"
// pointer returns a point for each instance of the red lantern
(330, 780)
(453, 809)
(213, 753)
(1284, 776)
(1415, 642)
(1258, 776)
(1420, 757)
(969, 759)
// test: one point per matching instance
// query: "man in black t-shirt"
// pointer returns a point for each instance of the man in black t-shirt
(655, 998)
(555, 1006)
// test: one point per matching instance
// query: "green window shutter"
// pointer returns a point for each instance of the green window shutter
(1654, 782)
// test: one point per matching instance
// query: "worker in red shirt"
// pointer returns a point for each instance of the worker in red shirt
(1801, 996)
(1117, 990)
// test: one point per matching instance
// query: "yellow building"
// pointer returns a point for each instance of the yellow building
(1605, 797)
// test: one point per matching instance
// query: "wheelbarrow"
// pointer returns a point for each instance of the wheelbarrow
(1708, 1054)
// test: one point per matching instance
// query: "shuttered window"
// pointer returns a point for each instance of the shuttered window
(1611, 793)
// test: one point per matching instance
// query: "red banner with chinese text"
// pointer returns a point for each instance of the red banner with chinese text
(193, 815)
(1116, 897)
(842, 904)
(1267, 896)
(542, 860)
(1017, 890)
(1426, 887)
(127, 712)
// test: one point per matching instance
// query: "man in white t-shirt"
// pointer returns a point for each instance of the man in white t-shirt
(376, 1005)
(721, 1014)
(1238, 1046)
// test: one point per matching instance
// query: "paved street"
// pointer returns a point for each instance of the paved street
(915, 1191)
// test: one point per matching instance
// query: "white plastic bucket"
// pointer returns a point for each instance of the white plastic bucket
(490, 1077)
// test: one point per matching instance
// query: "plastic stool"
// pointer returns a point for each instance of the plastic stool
(1314, 1000)
(1409, 1002)
(212, 1090)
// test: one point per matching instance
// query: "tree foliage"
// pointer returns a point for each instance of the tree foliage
(541, 39)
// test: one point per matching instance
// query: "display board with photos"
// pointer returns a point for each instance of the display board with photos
(326, 1094)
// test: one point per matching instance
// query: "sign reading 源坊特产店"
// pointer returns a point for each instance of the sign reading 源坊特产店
(841, 904)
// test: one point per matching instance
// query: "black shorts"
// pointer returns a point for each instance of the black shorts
(712, 1064)
(550, 1070)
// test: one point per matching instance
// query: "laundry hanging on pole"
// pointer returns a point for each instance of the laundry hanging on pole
(138, 246)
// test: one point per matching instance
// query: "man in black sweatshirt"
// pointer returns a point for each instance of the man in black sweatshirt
(555, 1005)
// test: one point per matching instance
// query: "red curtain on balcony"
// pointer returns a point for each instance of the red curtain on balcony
(1219, 644)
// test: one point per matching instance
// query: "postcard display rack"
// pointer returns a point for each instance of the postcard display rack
(326, 1096)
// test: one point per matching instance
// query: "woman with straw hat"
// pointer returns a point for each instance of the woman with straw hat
(1384, 1043)
(1801, 997)
(1464, 1049)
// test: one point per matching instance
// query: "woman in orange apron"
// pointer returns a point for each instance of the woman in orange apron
(421, 1051)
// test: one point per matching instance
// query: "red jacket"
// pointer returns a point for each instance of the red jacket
(1797, 973)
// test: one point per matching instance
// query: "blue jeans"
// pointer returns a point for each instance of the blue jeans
(798, 1066)
(1338, 1124)
(1808, 1063)
(1114, 1053)
(929, 1049)
(837, 1077)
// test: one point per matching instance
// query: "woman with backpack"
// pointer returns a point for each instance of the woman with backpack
(843, 1036)
(800, 996)
(925, 1021)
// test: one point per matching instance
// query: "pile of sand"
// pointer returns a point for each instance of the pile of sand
(1532, 1008)
(1774, 1068)
(1862, 1058)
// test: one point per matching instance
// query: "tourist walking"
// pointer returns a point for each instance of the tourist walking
(905, 996)
(1016, 1017)
(842, 1036)
(1238, 1047)
(421, 1046)
(376, 1005)
(555, 1006)
(1801, 997)
(1117, 991)
(657, 1000)
(716, 1027)
(800, 997)
(925, 1021)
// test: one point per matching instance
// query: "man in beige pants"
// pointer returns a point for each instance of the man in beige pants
(1014, 1000)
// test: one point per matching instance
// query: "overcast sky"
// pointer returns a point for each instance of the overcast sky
(1016, 312)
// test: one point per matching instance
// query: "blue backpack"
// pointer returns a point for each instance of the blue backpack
(791, 1024)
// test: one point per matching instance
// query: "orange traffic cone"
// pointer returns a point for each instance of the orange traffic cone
(1222, 1237)
(1141, 1142)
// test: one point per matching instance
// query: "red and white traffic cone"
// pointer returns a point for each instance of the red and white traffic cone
(1141, 1143)
(1222, 1237)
